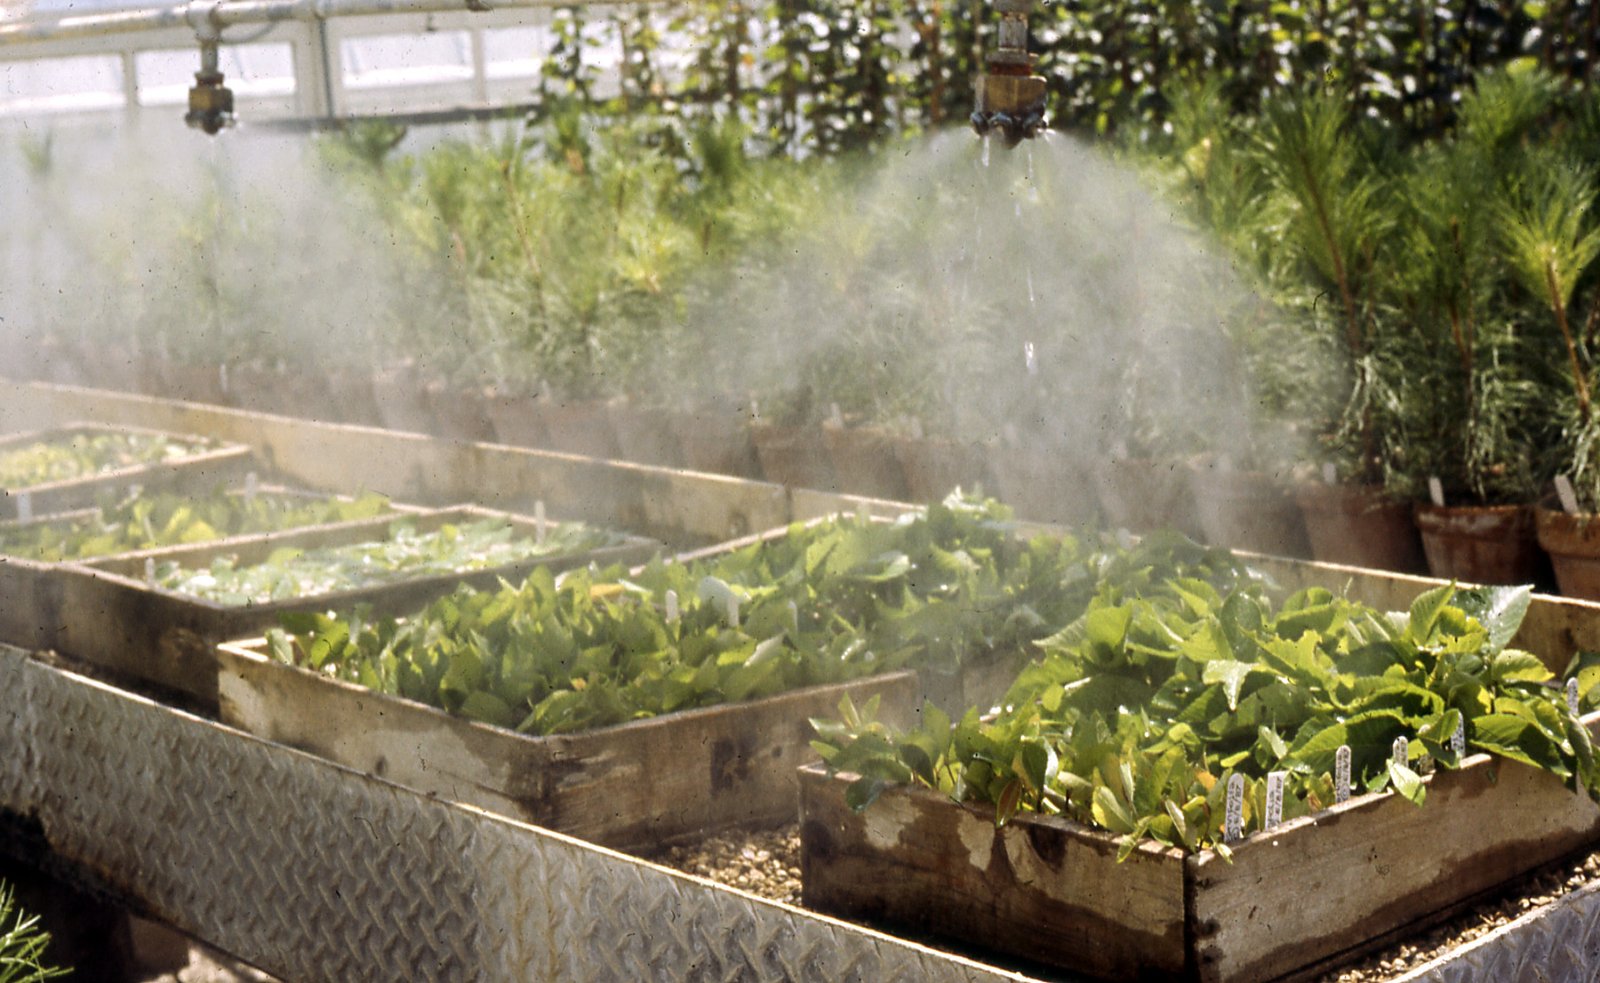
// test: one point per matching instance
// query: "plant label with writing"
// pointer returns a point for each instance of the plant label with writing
(1436, 491)
(1274, 799)
(1458, 740)
(1341, 774)
(1233, 819)
(1402, 750)
(1572, 695)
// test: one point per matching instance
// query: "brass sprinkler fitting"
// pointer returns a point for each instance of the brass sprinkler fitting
(210, 102)
(1010, 98)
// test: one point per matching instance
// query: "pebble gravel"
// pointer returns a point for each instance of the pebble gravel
(763, 862)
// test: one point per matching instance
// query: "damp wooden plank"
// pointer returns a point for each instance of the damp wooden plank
(1038, 887)
(640, 784)
(1346, 880)
(680, 507)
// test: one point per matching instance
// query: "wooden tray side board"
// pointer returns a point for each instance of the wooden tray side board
(1049, 890)
(1291, 903)
(223, 464)
(642, 784)
(114, 620)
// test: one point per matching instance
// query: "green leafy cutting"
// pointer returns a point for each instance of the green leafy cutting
(147, 520)
(833, 601)
(85, 453)
(404, 552)
(1137, 712)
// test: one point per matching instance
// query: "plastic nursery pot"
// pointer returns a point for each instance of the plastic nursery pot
(715, 440)
(1573, 542)
(1043, 487)
(864, 461)
(644, 434)
(933, 467)
(793, 456)
(516, 418)
(401, 401)
(580, 426)
(458, 414)
(1143, 494)
(1359, 526)
(1248, 510)
(1480, 544)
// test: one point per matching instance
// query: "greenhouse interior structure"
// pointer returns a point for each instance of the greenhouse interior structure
(825, 490)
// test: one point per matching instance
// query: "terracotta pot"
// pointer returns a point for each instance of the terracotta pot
(933, 468)
(1573, 542)
(580, 427)
(458, 414)
(1043, 487)
(1248, 510)
(1360, 527)
(794, 456)
(716, 441)
(1143, 494)
(644, 434)
(517, 419)
(864, 461)
(1480, 544)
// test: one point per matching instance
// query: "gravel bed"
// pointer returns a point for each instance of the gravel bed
(763, 862)
(767, 863)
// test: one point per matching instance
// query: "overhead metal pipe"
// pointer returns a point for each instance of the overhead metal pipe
(214, 16)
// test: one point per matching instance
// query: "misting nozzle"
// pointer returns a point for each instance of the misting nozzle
(1010, 98)
(210, 102)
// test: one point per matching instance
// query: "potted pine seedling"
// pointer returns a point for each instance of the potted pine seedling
(1469, 374)
(1551, 241)
(1335, 220)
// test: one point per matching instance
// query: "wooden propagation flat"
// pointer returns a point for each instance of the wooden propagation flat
(113, 618)
(1293, 901)
(218, 464)
(641, 784)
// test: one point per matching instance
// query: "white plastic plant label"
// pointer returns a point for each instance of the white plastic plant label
(1436, 491)
(1233, 818)
(1458, 740)
(1572, 695)
(672, 607)
(1402, 751)
(718, 592)
(1274, 799)
(1341, 774)
(1568, 497)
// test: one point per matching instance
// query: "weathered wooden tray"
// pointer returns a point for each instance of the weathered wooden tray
(224, 463)
(112, 618)
(1294, 901)
(641, 784)
(31, 601)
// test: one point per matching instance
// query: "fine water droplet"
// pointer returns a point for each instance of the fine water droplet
(1032, 300)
